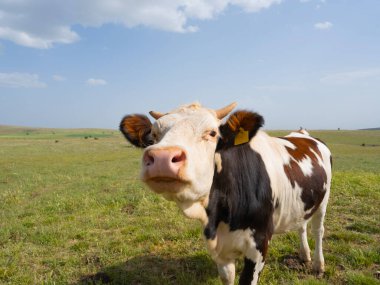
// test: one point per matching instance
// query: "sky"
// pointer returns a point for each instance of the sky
(87, 63)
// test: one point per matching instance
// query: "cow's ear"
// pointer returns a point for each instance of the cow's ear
(240, 128)
(136, 129)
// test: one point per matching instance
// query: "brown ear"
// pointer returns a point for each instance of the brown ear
(240, 128)
(136, 129)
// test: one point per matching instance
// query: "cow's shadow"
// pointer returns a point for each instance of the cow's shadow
(152, 270)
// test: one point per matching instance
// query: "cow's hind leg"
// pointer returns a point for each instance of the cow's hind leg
(227, 273)
(318, 229)
(304, 253)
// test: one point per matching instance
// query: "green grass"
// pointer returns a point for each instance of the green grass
(73, 211)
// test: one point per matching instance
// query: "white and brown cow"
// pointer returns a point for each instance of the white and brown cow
(242, 184)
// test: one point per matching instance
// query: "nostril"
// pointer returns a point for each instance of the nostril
(179, 158)
(149, 159)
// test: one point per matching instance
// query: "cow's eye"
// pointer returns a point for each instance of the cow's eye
(210, 135)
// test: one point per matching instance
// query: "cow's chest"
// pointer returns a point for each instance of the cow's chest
(229, 245)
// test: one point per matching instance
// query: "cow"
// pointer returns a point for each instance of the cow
(240, 183)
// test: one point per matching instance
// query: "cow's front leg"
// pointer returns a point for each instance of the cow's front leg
(227, 273)
(251, 271)
(254, 259)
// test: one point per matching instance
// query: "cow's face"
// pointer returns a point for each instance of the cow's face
(178, 160)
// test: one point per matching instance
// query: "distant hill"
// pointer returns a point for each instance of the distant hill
(371, 129)
(49, 133)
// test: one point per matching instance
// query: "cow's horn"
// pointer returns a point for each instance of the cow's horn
(221, 113)
(155, 114)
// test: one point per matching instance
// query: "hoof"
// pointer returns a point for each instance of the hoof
(319, 275)
(304, 257)
(319, 269)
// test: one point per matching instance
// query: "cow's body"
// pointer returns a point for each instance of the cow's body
(257, 192)
(243, 185)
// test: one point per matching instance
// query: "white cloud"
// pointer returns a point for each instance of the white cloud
(20, 80)
(254, 5)
(43, 23)
(351, 76)
(323, 25)
(57, 77)
(96, 82)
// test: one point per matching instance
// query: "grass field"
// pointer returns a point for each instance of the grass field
(72, 211)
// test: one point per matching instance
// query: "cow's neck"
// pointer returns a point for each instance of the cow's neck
(195, 210)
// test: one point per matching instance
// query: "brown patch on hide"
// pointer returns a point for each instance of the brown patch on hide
(312, 186)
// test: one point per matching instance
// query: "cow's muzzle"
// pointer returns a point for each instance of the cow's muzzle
(164, 165)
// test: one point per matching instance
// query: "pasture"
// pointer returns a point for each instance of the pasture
(73, 211)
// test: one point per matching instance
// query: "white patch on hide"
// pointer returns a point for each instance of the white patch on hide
(306, 166)
(258, 267)
(230, 244)
(218, 162)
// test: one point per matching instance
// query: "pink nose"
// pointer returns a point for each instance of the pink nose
(163, 163)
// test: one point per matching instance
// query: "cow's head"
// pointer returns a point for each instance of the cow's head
(178, 160)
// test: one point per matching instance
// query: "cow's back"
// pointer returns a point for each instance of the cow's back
(299, 168)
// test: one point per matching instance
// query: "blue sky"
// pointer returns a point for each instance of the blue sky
(82, 63)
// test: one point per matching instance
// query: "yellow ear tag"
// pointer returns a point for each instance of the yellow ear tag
(241, 137)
